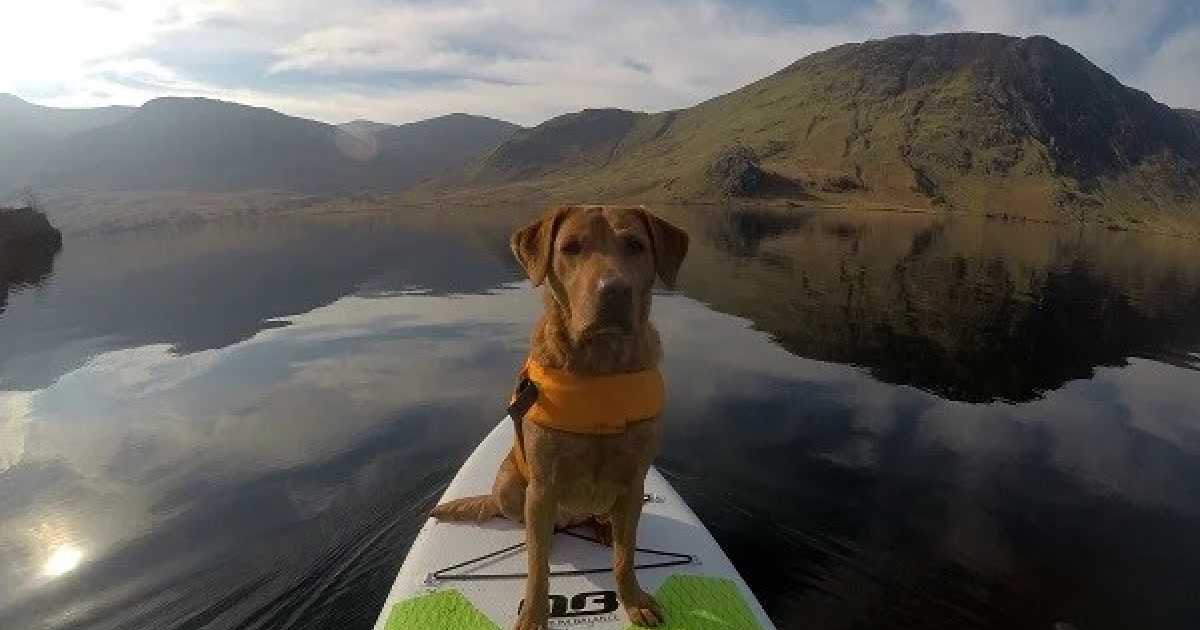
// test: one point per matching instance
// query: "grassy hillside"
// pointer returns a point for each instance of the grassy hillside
(978, 122)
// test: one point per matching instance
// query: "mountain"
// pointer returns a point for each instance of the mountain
(1192, 117)
(28, 132)
(201, 144)
(584, 141)
(431, 146)
(970, 121)
(196, 144)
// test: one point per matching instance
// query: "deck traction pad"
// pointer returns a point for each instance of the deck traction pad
(690, 602)
(693, 602)
(442, 610)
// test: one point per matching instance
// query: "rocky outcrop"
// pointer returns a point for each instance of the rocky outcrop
(735, 172)
(25, 227)
(28, 246)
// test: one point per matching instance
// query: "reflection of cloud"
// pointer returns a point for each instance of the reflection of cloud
(138, 438)
(14, 416)
(158, 429)
(1162, 399)
(284, 396)
(140, 371)
(1097, 429)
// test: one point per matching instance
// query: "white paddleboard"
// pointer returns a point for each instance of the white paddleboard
(701, 590)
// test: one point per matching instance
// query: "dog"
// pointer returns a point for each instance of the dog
(598, 265)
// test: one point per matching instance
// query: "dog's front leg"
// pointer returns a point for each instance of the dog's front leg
(639, 605)
(541, 506)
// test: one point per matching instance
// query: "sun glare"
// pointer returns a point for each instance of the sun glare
(64, 560)
(84, 33)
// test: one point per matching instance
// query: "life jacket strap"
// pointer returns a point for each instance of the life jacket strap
(523, 400)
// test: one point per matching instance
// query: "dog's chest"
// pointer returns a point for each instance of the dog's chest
(589, 471)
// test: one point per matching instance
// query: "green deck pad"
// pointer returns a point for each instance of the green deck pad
(692, 602)
(441, 610)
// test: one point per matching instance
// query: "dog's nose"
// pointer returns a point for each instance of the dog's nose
(615, 293)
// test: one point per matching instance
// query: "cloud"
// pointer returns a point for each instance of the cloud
(15, 410)
(524, 60)
(527, 61)
(1171, 74)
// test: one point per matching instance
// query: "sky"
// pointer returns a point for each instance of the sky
(522, 60)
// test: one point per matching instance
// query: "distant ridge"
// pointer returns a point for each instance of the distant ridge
(199, 144)
(29, 132)
(56, 122)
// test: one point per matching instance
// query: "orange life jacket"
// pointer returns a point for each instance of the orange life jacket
(595, 405)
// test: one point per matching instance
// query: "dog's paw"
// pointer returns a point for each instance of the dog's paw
(643, 610)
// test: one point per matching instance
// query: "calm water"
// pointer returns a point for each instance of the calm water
(887, 420)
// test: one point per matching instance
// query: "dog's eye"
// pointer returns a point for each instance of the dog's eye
(633, 245)
(571, 247)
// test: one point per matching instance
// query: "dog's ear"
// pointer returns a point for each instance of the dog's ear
(670, 245)
(533, 245)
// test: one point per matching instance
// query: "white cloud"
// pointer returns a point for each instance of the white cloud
(527, 61)
(523, 60)
(1173, 73)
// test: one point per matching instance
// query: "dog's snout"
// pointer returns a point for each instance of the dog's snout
(614, 303)
(614, 291)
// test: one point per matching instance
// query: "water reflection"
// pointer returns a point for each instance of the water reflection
(263, 461)
(175, 463)
(971, 310)
(857, 502)
(204, 287)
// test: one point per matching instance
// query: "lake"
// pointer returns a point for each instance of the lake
(887, 420)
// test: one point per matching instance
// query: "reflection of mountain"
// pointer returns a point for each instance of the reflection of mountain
(211, 286)
(973, 311)
(28, 245)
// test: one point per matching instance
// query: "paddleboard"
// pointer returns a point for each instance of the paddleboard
(461, 576)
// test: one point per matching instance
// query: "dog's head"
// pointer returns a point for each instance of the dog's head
(599, 264)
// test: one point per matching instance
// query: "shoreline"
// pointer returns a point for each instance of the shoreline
(386, 204)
